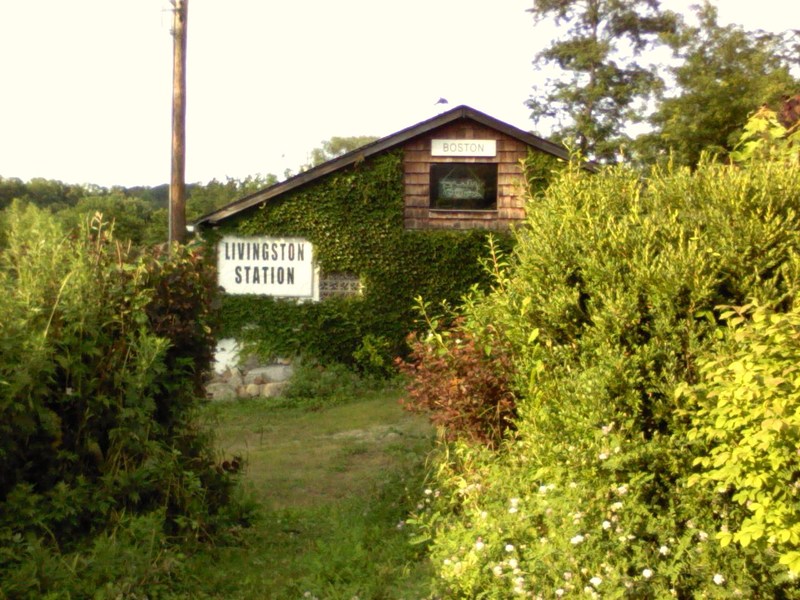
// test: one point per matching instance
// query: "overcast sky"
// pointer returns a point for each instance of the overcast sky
(86, 84)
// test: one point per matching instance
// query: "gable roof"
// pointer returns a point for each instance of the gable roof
(376, 147)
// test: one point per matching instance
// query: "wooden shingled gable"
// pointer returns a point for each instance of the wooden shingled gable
(401, 138)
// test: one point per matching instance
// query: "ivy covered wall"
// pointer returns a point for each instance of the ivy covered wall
(354, 219)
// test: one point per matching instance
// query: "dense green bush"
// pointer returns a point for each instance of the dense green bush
(749, 415)
(102, 356)
(354, 218)
(609, 311)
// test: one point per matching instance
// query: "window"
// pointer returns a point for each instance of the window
(339, 285)
(464, 186)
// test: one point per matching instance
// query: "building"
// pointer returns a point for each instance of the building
(355, 241)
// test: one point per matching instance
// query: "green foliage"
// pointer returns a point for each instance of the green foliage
(608, 310)
(130, 560)
(133, 219)
(102, 355)
(603, 87)
(749, 416)
(724, 73)
(355, 220)
(765, 137)
(45, 193)
(337, 146)
(315, 386)
(204, 199)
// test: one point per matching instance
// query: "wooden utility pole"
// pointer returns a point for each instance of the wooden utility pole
(177, 185)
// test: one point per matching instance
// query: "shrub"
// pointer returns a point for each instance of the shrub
(102, 355)
(607, 309)
(463, 382)
(749, 416)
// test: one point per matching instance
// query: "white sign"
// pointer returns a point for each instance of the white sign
(463, 147)
(281, 267)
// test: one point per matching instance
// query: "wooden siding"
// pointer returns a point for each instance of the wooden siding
(416, 172)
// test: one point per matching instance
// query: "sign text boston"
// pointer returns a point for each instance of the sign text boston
(282, 267)
(463, 147)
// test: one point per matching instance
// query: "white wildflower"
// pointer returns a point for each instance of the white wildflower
(497, 570)
(577, 540)
(663, 551)
(719, 579)
(606, 524)
(509, 548)
(647, 573)
(595, 581)
(479, 545)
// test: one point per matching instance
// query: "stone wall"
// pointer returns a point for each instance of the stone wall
(250, 378)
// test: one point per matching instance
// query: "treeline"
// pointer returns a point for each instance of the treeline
(139, 214)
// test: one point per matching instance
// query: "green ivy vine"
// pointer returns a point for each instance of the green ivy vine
(354, 218)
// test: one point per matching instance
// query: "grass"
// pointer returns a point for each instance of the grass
(335, 483)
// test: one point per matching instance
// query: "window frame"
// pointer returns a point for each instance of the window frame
(487, 174)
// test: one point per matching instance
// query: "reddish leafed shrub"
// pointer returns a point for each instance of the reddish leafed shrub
(463, 383)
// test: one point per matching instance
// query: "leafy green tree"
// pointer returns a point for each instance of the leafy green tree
(337, 146)
(603, 87)
(204, 199)
(44, 193)
(130, 216)
(725, 74)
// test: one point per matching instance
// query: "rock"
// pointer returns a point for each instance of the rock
(252, 390)
(235, 378)
(220, 391)
(273, 390)
(269, 374)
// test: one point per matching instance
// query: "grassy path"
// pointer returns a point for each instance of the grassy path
(333, 486)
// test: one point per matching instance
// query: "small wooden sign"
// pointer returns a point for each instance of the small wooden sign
(463, 147)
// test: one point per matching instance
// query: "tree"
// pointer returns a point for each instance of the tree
(44, 193)
(204, 199)
(603, 85)
(132, 217)
(724, 75)
(336, 146)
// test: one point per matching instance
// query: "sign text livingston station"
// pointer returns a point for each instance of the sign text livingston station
(281, 267)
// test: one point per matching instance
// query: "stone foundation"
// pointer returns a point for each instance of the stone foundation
(250, 378)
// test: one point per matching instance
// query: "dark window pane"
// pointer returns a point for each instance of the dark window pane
(464, 186)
